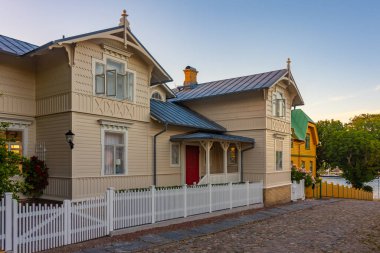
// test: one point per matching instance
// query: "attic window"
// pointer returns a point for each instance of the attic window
(112, 80)
(278, 105)
(156, 95)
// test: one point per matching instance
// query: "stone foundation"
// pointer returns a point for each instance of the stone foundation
(277, 195)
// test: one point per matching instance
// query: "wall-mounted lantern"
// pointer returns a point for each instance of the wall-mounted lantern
(70, 138)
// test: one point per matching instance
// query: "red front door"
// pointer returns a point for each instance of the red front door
(192, 164)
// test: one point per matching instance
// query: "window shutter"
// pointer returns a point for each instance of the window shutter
(100, 79)
(130, 85)
(111, 82)
(120, 87)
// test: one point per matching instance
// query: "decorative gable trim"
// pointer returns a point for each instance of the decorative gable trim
(116, 52)
(115, 125)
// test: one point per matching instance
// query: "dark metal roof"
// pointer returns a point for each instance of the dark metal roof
(229, 86)
(177, 115)
(211, 136)
(13, 46)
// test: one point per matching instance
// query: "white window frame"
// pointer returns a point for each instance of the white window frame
(159, 93)
(20, 126)
(275, 154)
(278, 104)
(111, 127)
(126, 69)
(171, 153)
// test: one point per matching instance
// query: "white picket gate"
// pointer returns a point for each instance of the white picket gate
(88, 219)
(2, 224)
(298, 190)
(31, 228)
(37, 227)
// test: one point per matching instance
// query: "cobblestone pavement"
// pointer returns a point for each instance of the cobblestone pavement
(308, 226)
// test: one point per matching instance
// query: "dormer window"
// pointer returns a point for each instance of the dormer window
(157, 95)
(112, 80)
(278, 105)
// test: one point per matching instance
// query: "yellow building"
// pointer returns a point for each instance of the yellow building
(304, 141)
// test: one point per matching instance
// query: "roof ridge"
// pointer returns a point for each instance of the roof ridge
(222, 80)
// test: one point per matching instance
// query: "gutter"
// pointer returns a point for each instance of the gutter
(242, 153)
(155, 153)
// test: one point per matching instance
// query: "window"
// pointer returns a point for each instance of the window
(175, 154)
(303, 164)
(232, 155)
(112, 80)
(307, 141)
(156, 95)
(279, 154)
(14, 141)
(311, 167)
(114, 153)
(278, 105)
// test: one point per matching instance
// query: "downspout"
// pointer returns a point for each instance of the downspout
(242, 153)
(155, 153)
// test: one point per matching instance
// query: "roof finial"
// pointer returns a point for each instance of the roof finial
(288, 63)
(123, 20)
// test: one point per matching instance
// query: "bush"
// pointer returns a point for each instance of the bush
(36, 176)
(367, 188)
(297, 175)
(9, 167)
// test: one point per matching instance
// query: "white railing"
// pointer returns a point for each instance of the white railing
(34, 228)
(298, 190)
(220, 178)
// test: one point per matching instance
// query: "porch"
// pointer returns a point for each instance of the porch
(212, 158)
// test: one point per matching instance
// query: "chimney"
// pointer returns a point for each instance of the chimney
(190, 76)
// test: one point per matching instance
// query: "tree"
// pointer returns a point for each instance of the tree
(9, 166)
(326, 128)
(353, 147)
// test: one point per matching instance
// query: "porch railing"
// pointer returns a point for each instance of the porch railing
(220, 178)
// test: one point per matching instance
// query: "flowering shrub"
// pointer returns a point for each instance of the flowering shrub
(36, 176)
(298, 175)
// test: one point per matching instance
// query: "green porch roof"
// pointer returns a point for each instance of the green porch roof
(299, 124)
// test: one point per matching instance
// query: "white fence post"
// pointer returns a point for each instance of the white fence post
(110, 204)
(8, 221)
(153, 189)
(247, 185)
(230, 188)
(210, 196)
(67, 221)
(185, 200)
(14, 221)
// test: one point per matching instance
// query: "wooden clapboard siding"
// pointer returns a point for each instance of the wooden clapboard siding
(234, 112)
(17, 86)
(51, 130)
(53, 75)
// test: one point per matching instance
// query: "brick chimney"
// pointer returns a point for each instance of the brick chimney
(190, 76)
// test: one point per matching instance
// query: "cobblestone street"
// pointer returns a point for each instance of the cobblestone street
(306, 226)
(344, 226)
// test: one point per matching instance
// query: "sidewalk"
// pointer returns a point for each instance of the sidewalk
(149, 240)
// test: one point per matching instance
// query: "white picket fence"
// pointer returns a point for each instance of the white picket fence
(2, 224)
(298, 190)
(33, 228)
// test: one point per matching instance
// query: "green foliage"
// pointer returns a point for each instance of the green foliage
(36, 176)
(367, 188)
(297, 175)
(9, 167)
(353, 147)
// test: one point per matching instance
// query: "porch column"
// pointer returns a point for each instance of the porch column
(225, 146)
(207, 146)
(240, 161)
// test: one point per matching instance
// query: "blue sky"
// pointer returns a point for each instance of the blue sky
(334, 45)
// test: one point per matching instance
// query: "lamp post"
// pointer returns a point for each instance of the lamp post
(70, 138)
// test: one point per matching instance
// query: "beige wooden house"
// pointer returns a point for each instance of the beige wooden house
(130, 129)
